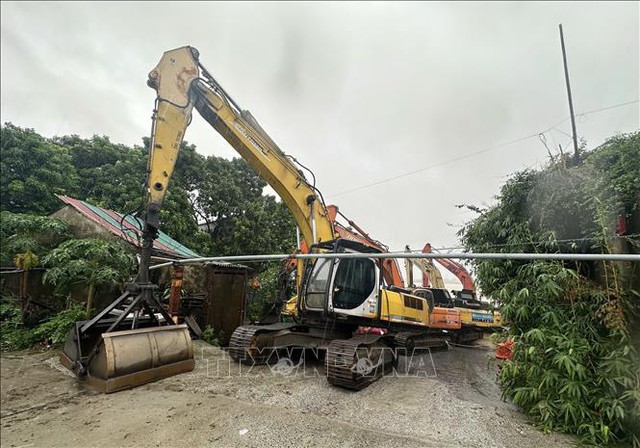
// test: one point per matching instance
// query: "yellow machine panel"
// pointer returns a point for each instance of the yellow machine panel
(404, 308)
(480, 318)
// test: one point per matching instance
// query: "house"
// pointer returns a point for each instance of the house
(90, 221)
(214, 294)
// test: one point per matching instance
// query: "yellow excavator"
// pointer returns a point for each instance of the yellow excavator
(337, 297)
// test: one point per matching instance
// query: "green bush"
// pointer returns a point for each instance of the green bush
(209, 336)
(53, 332)
(575, 365)
(13, 335)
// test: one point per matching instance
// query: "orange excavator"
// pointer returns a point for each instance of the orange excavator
(466, 297)
(473, 313)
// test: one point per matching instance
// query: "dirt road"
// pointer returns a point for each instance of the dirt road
(449, 399)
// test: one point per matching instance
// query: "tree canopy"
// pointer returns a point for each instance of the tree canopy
(575, 325)
(225, 194)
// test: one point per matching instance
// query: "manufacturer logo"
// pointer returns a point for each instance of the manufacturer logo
(246, 135)
(482, 317)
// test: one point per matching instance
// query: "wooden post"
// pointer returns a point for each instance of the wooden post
(24, 294)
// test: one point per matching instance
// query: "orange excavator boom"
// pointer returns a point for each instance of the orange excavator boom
(390, 268)
(455, 268)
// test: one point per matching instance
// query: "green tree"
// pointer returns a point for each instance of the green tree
(93, 261)
(575, 367)
(242, 219)
(113, 176)
(226, 194)
(33, 170)
(29, 236)
(109, 175)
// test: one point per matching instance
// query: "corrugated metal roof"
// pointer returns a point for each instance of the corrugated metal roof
(111, 220)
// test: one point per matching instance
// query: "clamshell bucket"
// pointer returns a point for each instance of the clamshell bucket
(118, 360)
(130, 358)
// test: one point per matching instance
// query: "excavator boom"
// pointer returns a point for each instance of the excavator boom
(142, 344)
(430, 274)
(183, 83)
(455, 268)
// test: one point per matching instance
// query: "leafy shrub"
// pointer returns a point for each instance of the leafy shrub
(15, 336)
(28, 236)
(55, 330)
(209, 336)
(572, 368)
(575, 366)
(95, 261)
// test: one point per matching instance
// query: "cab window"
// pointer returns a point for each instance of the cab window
(317, 286)
(354, 282)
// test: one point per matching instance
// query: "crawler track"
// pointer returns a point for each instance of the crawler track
(412, 340)
(253, 344)
(357, 362)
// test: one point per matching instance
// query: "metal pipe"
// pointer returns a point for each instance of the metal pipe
(458, 255)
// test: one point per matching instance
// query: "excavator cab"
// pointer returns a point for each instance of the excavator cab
(341, 288)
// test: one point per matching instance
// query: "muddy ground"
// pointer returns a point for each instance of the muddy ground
(448, 399)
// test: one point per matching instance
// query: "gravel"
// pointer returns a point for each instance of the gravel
(222, 403)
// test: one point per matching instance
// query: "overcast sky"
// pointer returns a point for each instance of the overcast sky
(402, 110)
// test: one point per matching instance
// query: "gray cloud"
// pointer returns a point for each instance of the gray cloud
(359, 92)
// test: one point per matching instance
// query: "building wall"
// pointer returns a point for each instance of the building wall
(82, 227)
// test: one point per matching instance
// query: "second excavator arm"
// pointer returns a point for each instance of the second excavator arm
(430, 274)
(455, 268)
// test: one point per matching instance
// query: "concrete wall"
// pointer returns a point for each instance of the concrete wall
(81, 226)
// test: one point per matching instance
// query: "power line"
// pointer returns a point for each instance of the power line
(589, 112)
(435, 165)
(466, 156)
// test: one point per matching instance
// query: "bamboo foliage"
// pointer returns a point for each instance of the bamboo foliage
(575, 366)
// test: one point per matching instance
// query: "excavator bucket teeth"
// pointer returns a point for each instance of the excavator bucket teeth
(130, 358)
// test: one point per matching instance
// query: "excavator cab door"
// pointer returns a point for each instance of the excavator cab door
(354, 288)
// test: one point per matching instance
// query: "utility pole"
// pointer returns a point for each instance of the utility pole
(566, 77)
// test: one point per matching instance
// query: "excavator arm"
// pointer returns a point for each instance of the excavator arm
(430, 273)
(455, 268)
(182, 83)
